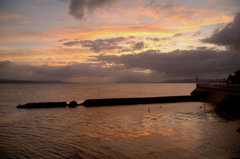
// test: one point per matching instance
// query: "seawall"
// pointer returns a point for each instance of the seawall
(223, 95)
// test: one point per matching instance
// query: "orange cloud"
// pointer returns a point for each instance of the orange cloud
(125, 30)
(8, 16)
(12, 35)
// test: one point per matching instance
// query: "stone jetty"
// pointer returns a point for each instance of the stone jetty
(48, 105)
(131, 101)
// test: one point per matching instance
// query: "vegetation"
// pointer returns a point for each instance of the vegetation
(234, 79)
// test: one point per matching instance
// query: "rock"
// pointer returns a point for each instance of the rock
(73, 104)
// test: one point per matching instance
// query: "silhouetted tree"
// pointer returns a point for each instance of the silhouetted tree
(235, 79)
(229, 79)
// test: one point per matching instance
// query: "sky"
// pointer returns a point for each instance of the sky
(107, 41)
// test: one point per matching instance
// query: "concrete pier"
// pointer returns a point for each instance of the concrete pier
(131, 101)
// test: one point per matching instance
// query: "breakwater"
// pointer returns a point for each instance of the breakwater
(226, 96)
(48, 105)
(131, 101)
(113, 101)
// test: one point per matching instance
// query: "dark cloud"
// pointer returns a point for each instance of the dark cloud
(99, 44)
(132, 37)
(228, 36)
(178, 64)
(163, 4)
(77, 72)
(11, 70)
(108, 44)
(124, 50)
(197, 33)
(159, 39)
(138, 46)
(181, 64)
(165, 38)
(79, 8)
(62, 40)
(170, 9)
(4, 64)
(72, 43)
(202, 48)
(177, 35)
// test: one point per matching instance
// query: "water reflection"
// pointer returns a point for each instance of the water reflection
(172, 127)
(176, 130)
(137, 122)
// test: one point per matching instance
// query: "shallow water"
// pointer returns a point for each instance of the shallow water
(175, 130)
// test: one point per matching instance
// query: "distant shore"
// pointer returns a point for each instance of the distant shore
(165, 81)
(27, 81)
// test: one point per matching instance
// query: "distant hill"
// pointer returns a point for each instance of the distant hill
(194, 81)
(177, 81)
(27, 81)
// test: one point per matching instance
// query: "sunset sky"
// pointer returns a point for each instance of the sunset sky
(118, 40)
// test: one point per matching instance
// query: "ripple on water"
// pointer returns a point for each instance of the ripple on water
(174, 130)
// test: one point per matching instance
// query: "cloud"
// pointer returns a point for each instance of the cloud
(108, 44)
(177, 35)
(228, 36)
(79, 8)
(169, 38)
(76, 72)
(99, 44)
(159, 39)
(180, 64)
(148, 66)
(164, 4)
(138, 46)
(183, 14)
(196, 34)
(10, 70)
(7, 16)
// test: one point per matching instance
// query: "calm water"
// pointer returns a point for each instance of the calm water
(176, 130)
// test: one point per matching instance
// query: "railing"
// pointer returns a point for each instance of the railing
(235, 87)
